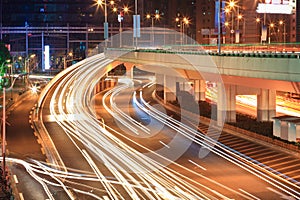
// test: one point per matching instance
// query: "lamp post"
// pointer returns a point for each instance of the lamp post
(184, 21)
(257, 20)
(105, 25)
(231, 7)
(270, 26)
(281, 22)
(152, 17)
(122, 11)
(27, 67)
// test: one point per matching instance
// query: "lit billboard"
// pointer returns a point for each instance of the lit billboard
(276, 7)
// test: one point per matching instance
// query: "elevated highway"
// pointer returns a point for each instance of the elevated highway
(258, 74)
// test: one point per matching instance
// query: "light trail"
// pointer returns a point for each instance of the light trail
(133, 174)
(227, 153)
(284, 106)
(116, 156)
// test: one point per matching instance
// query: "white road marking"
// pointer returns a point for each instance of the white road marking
(247, 193)
(21, 196)
(16, 179)
(164, 144)
(197, 165)
(282, 195)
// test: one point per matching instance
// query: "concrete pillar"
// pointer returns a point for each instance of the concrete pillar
(98, 87)
(276, 127)
(226, 102)
(159, 78)
(291, 132)
(284, 130)
(297, 132)
(200, 89)
(129, 70)
(102, 84)
(266, 105)
(95, 90)
(169, 88)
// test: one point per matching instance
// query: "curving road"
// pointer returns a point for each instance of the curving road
(118, 145)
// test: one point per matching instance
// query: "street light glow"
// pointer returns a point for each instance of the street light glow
(280, 22)
(99, 2)
(157, 16)
(231, 4)
(126, 9)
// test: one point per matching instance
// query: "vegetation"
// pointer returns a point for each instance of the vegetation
(4, 53)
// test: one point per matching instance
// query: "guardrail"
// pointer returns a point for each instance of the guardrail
(201, 51)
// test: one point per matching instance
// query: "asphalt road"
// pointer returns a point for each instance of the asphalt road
(23, 144)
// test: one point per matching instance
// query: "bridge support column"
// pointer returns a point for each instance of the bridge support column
(266, 105)
(129, 70)
(159, 82)
(102, 84)
(169, 88)
(200, 88)
(226, 104)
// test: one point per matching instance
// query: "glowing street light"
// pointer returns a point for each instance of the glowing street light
(153, 17)
(121, 13)
(281, 23)
(100, 3)
(270, 26)
(184, 21)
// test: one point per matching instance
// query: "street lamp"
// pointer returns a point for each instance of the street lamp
(227, 11)
(258, 20)
(153, 17)
(270, 26)
(123, 11)
(27, 67)
(281, 22)
(240, 17)
(183, 22)
(100, 3)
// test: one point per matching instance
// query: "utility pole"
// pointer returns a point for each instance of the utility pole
(3, 134)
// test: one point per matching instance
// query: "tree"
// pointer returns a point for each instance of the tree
(4, 53)
(4, 56)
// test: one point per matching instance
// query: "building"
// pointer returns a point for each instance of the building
(241, 23)
(69, 27)
(74, 27)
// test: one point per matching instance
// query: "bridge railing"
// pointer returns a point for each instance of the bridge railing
(234, 51)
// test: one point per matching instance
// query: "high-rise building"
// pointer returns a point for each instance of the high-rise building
(298, 21)
(241, 23)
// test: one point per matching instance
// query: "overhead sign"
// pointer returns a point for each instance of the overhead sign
(275, 7)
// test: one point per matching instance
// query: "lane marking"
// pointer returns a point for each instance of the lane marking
(282, 195)
(164, 144)
(16, 179)
(247, 193)
(21, 196)
(197, 165)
